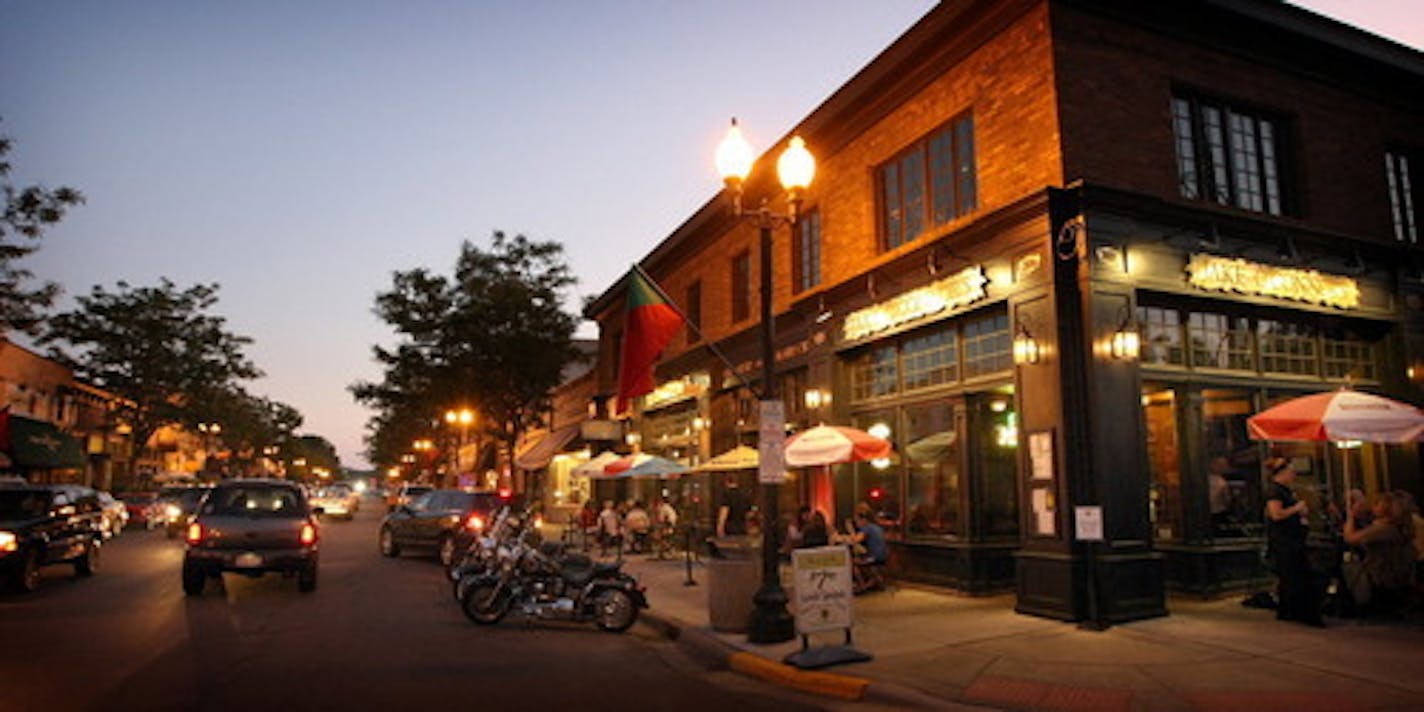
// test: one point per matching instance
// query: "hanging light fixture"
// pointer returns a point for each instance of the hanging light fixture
(1026, 350)
(1126, 341)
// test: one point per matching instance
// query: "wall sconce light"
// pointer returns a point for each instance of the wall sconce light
(699, 423)
(1026, 350)
(1286, 251)
(1415, 372)
(1211, 240)
(823, 313)
(815, 398)
(1126, 341)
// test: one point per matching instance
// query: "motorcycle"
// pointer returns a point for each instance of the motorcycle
(545, 582)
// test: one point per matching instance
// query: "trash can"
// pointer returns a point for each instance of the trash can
(733, 577)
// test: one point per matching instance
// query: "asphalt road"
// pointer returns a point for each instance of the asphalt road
(376, 634)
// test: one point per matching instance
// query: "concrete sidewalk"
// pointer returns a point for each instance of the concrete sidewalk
(933, 648)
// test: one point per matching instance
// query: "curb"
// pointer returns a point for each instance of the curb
(718, 654)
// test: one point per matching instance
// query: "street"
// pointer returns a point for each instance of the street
(377, 634)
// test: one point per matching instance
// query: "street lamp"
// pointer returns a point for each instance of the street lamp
(795, 168)
(462, 417)
(210, 432)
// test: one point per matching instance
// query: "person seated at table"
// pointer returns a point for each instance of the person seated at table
(1382, 579)
(638, 524)
(817, 533)
(870, 558)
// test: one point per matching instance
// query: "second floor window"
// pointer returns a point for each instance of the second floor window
(742, 287)
(929, 184)
(1401, 197)
(1227, 155)
(806, 256)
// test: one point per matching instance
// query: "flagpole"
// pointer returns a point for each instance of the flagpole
(700, 336)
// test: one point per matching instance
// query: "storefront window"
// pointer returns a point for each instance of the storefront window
(931, 360)
(987, 346)
(874, 374)
(1287, 347)
(932, 460)
(1159, 408)
(1161, 336)
(1220, 341)
(877, 484)
(994, 446)
(1344, 355)
(1231, 463)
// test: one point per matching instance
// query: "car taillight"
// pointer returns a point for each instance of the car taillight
(8, 542)
(195, 534)
(475, 523)
(308, 534)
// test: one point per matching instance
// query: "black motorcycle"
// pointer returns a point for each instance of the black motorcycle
(545, 582)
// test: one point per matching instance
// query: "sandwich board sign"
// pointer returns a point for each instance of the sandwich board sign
(823, 591)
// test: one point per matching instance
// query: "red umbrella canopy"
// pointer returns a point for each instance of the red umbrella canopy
(1339, 415)
(832, 444)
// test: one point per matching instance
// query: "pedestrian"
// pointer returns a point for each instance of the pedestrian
(588, 523)
(610, 529)
(795, 531)
(637, 524)
(1381, 579)
(732, 514)
(871, 552)
(1286, 533)
(818, 531)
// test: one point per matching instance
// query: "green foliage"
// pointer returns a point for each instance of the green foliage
(315, 451)
(28, 211)
(157, 347)
(493, 337)
(249, 423)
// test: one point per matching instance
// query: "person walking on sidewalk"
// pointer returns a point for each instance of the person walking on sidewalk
(1286, 533)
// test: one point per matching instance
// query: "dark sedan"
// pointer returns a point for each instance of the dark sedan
(42, 525)
(442, 520)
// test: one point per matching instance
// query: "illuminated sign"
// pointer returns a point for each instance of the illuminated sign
(1303, 285)
(675, 391)
(954, 291)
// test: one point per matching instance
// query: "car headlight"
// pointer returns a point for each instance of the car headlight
(173, 511)
(8, 542)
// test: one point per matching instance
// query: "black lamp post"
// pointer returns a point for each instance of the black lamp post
(770, 622)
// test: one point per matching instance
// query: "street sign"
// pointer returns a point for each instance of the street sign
(771, 468)
(822, 589)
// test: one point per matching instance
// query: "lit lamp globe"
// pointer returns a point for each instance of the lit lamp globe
(796, 167)
(734, 156)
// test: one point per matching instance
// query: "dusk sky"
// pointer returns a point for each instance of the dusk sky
(299, 152)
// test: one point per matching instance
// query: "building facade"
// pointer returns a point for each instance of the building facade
(1060, 250)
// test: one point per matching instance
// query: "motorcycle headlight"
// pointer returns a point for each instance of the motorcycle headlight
(8, 542)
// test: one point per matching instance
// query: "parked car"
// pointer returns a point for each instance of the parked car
(115, 515)
(143, 508)
(47, 524)
(178, 507)
(251, 527)
(443, 520)
(337, 500)
(405, 495)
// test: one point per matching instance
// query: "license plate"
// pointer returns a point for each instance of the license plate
(247, 561)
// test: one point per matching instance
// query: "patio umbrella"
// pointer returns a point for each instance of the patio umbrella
(1342, 415)
(740, 457)
(594, 467)
(832, 444)
(643, 465)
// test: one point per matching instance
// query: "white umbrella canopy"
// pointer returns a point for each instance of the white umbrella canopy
(594, 467)
(644, 465)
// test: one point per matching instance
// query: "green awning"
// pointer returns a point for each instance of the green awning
(37, 445)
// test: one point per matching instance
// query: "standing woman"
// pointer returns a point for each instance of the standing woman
(1286, 533)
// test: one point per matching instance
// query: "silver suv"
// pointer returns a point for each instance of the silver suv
(251, 527)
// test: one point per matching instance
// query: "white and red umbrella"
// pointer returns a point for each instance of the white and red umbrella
(833, 444)
(1339, 415)
(1342, 416)
(641, 464)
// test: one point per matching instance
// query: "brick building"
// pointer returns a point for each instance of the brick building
(1061, 249)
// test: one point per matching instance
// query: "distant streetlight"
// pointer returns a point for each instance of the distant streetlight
(462, 417)
(795, 169)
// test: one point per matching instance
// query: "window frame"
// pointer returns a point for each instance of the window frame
(1215, 171)
(806, 252)
(952, 180)
(1402, 186)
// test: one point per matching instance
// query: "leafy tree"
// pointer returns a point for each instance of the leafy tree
(313, 451)
(249, 424)
(493, 336)
(157, 347)
(27, 213)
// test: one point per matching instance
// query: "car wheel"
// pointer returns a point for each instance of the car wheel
(615, 611)
(193, 580)
(447, 551)
(306, 580)
(389, 547)
(88, 562)
(26, 577)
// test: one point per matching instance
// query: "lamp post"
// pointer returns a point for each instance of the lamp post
(211, 432)
(462, 417)
(770, 622)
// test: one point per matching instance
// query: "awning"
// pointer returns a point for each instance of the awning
(538, 455)
(38, 445)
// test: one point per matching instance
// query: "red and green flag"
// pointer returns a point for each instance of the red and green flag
(649, 324)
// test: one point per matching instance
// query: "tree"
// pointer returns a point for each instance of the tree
(28, 212)
(305, 454)
(249, 424)
(494, 336)
(157, 347)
